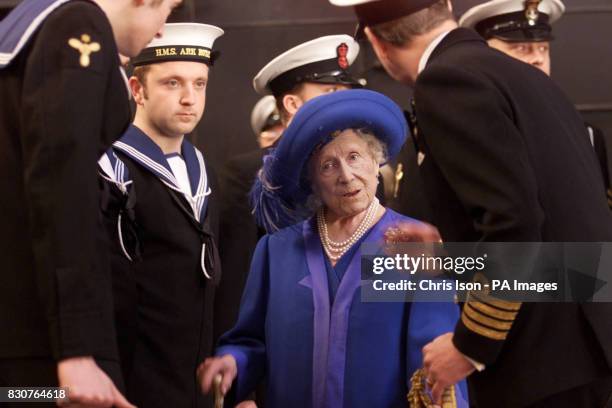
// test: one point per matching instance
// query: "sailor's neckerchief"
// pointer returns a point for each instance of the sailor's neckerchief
(140, 148)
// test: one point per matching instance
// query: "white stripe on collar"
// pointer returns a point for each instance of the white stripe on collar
(116, 174)
(203, 189)
(6, 57)
(151, 163)
(198, 200)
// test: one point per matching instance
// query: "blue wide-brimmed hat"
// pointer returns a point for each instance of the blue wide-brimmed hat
(280, 191)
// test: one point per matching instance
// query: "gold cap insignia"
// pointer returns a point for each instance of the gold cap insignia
(531, 11)
(85, 47)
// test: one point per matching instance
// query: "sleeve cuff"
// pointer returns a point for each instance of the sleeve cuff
(478, 366)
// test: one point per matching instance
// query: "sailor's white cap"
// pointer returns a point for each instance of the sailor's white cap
(181, 42)
(264, 114)
(324, 59)
(514, 20)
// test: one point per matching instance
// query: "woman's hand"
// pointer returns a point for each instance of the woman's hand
(421, 235)
(225, 366)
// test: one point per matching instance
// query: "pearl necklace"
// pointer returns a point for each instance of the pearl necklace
(335, 250)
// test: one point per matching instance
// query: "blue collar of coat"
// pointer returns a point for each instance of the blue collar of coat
(138, 146)
(20, 24)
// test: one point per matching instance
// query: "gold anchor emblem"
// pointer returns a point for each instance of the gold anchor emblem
(531, 11)
(85, 47)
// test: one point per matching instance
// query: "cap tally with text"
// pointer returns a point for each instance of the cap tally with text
(373, 12)
(264, 115)
(181, 42)
(514, 20)
(322, 60)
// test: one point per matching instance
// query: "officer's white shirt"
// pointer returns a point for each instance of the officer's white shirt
(430, 49)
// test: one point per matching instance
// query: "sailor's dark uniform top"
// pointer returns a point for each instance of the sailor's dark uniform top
(64, 101)
(165, 266)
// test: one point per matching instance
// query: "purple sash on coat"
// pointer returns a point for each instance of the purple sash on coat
(331, 328)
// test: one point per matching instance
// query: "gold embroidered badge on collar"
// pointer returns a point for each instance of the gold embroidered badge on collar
(85, 47)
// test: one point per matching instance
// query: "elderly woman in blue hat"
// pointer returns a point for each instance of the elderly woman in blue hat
(302, 323)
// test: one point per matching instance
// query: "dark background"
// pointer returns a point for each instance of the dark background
(258, 30)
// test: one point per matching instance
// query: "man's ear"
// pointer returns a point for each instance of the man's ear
(381, 47)
(292, 103)
(138, 90)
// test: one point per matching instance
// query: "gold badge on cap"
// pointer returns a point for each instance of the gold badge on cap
(85, 47)
(531, 11)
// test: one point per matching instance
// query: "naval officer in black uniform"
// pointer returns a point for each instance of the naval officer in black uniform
(161, 210)
(504, 24)
(500, 162)
(64, 101)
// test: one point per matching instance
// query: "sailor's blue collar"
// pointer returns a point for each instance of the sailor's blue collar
(17, 28)
(139, 147)
(145, 151)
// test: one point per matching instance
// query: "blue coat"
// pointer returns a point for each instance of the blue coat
(347, 354)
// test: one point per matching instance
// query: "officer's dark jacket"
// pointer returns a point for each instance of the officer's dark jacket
(507, 158)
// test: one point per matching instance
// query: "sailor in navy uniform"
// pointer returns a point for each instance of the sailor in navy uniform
(160, 209)
(504, 24)
(64, 101)
(266, 122)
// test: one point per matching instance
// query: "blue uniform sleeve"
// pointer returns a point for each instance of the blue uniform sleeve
(246, 341)
(427, 321)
